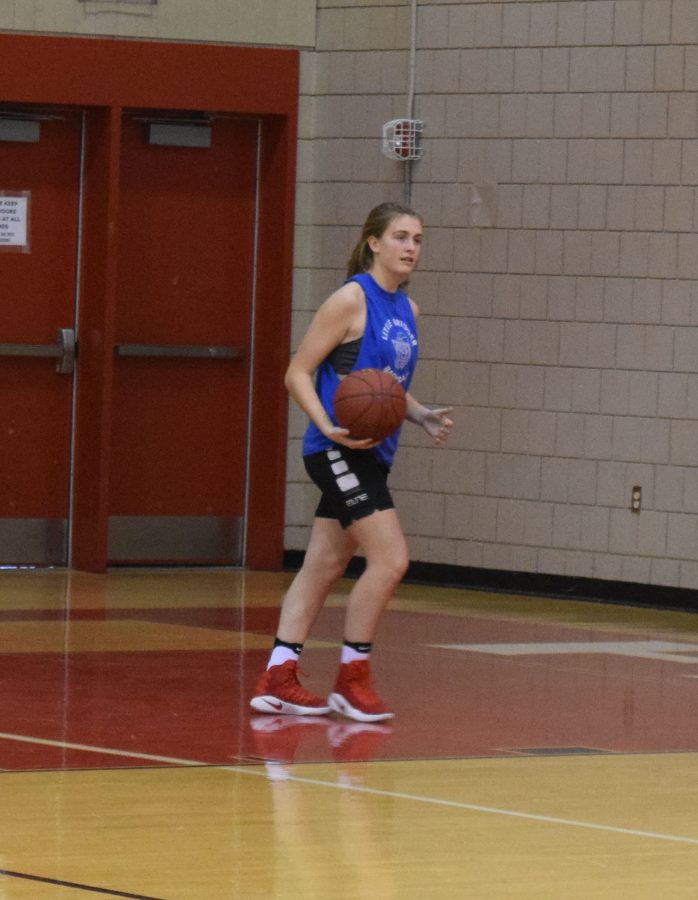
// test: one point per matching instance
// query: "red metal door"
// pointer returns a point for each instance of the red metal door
(184, 295)
(39, 202)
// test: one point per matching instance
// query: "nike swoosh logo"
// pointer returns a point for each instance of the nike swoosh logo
(275, 705)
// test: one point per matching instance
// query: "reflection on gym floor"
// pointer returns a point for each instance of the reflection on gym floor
(541, 748)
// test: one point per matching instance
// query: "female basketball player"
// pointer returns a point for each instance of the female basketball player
(368, 323)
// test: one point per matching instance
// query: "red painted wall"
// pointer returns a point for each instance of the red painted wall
(104, 77)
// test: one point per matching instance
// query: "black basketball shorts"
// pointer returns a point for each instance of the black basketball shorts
(353, 484)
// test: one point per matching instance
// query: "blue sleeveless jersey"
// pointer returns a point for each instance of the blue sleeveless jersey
(389, 342)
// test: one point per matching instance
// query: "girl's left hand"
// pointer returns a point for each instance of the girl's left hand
(437, 423)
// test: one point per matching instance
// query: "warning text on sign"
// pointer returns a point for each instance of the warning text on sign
(13, 221)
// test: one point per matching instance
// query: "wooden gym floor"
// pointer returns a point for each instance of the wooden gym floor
(541, 749)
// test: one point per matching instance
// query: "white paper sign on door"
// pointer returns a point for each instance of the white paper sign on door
(14, 222)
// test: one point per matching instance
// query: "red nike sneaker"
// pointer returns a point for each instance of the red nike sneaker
(353, 694)
(279, 691)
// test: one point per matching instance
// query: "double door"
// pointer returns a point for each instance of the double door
(179, 373)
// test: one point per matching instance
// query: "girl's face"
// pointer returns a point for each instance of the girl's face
(397, 250)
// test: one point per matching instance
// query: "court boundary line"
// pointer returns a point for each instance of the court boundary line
(91, 748)
(90, 888)
(496, 810)
(360, 789)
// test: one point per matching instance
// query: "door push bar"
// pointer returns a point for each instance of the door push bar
(64, 350)
(177, 351)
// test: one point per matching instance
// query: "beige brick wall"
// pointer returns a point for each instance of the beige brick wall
(560, 307)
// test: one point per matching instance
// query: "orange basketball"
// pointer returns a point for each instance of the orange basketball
(370, 403)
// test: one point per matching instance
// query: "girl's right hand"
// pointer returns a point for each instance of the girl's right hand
(341, 436)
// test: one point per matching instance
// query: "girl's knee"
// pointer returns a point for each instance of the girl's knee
(392, 566)
(401, 565)
(327, 568)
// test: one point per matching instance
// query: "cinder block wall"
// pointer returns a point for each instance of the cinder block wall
(558, 282)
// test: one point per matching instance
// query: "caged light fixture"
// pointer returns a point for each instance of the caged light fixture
(402, 139)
